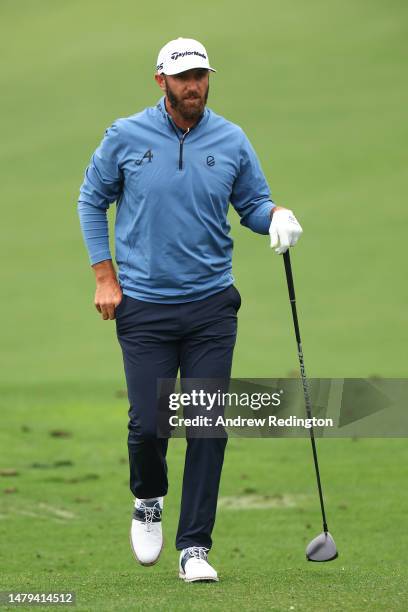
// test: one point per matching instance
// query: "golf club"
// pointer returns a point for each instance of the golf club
(323, 547)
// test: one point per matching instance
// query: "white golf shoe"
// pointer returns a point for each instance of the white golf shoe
(146, 537)
(194, 567)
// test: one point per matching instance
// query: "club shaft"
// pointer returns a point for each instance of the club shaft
(308, 403)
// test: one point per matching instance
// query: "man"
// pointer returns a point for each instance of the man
(173, 169)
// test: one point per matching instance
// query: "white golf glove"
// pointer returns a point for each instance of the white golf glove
(285, 230)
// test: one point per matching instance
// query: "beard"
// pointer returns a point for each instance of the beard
(190, 107)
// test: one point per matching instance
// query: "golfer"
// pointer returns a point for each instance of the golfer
(173, 169)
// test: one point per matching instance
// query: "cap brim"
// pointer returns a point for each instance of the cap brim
(186, 66)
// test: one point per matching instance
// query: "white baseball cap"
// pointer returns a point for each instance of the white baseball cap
(180, 55)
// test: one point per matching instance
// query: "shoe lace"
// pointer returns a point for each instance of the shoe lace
(150, 513)
(199, 552)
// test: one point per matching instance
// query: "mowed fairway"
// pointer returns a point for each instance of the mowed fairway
(65, 527)
(320, 88)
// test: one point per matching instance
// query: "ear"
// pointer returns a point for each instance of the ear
(159, 78)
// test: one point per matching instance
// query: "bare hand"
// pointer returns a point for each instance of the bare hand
(108, 295)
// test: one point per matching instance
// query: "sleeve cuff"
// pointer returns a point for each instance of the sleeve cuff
(99, 256)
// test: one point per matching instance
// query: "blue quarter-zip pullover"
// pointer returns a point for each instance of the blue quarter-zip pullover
(172, 189)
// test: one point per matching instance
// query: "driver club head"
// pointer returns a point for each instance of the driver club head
(322, 548)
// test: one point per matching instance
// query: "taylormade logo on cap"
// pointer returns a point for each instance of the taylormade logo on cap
(176, 54)
(182, 54)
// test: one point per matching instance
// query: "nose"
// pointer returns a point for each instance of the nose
(192, 86)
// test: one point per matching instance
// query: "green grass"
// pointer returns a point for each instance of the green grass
(320, 88)
(66, 525)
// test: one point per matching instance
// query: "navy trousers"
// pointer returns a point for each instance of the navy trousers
(158, 340)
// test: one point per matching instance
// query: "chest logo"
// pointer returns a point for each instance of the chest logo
(148, 155)
(210, 160)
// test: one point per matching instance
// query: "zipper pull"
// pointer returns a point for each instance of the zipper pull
(184, 135)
